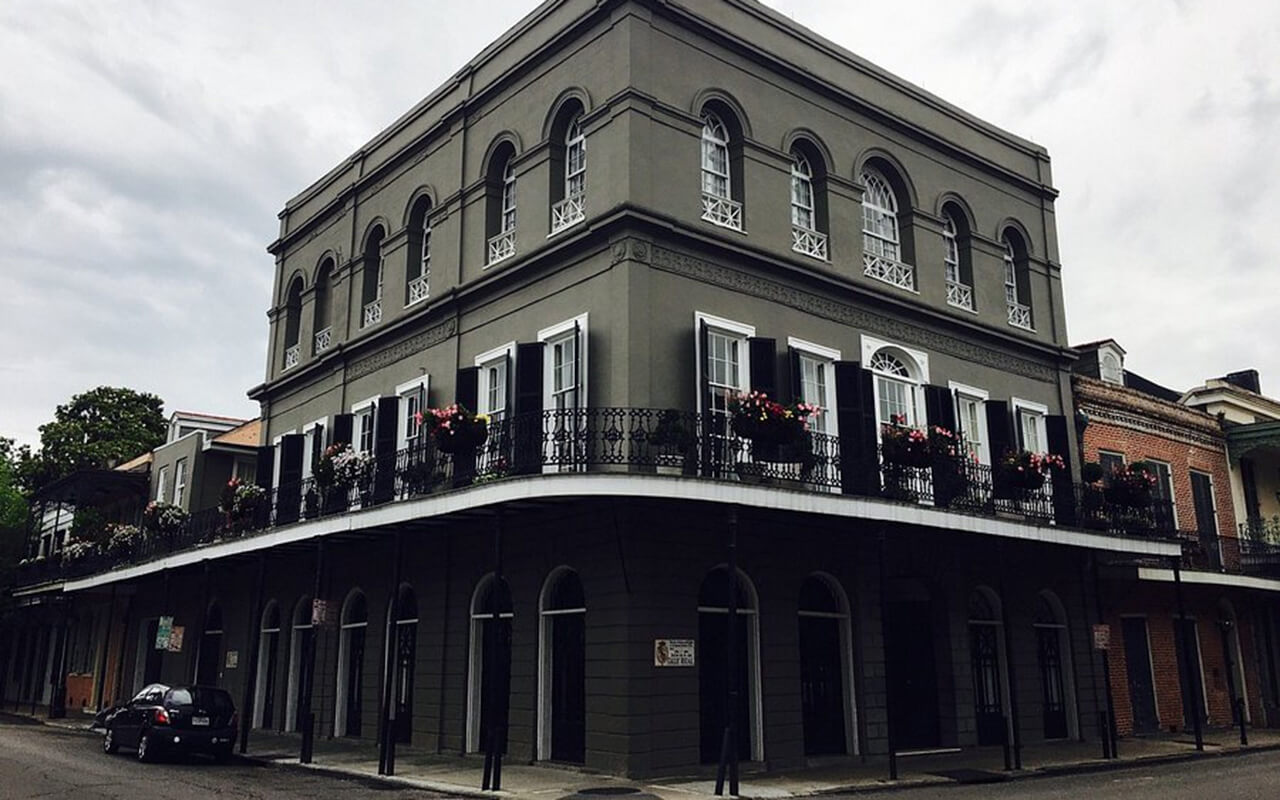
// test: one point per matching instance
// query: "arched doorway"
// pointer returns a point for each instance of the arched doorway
(1053, 655)
(825, 661)
(562, 681)
(210, 657)
(299, 644)
(268, 655)
(405, 637)
(349, 708)
(715, 681)
(490, 663)
(984, 655)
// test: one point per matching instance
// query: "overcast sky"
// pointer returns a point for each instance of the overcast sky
(146, 147)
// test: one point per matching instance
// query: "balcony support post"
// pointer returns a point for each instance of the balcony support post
(495, 742)
(1016, 725)
(247, 709)
(309, 664)
(729, 743)
(128, 615)
(1108, 733)
(1196, 703)
(386, 732)
(101, 678)
(884, 638)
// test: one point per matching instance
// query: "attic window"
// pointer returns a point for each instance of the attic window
(1111, 369)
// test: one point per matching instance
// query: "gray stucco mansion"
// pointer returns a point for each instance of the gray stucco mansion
(607, 225)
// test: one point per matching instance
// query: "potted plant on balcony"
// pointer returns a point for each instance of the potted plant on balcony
(1092, 497)
(1131, 486)
(241, 504)
(123, 541)
(674, 444)
(163, 520)
(779, 435)
(455, 428)
(902, 445)
(76, 550)
(948, 459)
(339, 470)
(1025, 471)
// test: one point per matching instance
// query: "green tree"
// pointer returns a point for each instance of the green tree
(96, 429)
(13, 511)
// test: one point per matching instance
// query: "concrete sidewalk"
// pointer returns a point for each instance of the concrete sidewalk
(461, 776)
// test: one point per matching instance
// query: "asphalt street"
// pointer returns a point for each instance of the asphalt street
(38, 761)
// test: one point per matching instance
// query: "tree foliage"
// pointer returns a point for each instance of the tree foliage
(96, 429)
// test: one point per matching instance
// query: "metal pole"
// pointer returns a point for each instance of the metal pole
(309, 664)
(124, 639)
(1109, 734)
(255, 640)
(884, 638)
(386, 735)
(198, 634)
(101, 678)
(729, 742)
(1237, 700)
(495, 722)
(1196, 704)
(1009, 659)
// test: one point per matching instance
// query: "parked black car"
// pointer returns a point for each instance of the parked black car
(162, 719)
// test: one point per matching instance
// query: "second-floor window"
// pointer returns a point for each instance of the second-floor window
(575, 167)
(802, 207)
(364, 429)
(896, 389)
(564, 371)
(716, 180)
(508, 199)
(494, 387)
(1016, 289)
(971, 419)
(879, 217)
(162, 481)
(371, 282)
(500, 204)
(413, 399)
(418, 272)
(179, 481)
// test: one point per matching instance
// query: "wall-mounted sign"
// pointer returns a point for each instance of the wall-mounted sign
(673, 653)
(175, 638)
(163, 630)
(1101, 637)
(233, 659)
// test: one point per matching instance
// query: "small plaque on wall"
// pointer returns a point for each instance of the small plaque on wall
(1101, 637)
(673, 653)
(233, 659)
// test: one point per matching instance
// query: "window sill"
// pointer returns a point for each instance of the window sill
(961, 307)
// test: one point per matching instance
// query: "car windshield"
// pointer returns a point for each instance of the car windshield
(209, 699)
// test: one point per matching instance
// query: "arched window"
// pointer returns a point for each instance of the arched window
(371, 280)
(897, 388)
(713, 673)
(719, 192)
(418, 270)
(570, 164)
(349, 708)
(500, 216)
(1016, 281)
(882, 252)
(986, 654)
(490, 665)
(299, 646)
(826, 660)
(808, 211)
(562, 670)
(1110, 369)
(1053, 655)
(293, 323)
(264, 705)
(209, 658)
(402, 625)
(956, 265)
(323, 329)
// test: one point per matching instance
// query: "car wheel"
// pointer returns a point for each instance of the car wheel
(109, 744)
(144, 749)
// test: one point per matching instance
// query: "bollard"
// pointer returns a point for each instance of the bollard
(1008, 755)
(1104, 733)
(1244, 733)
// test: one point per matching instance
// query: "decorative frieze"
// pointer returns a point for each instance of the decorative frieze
(401, 350)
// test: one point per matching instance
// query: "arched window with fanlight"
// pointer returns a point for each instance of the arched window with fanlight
(721, 187)
(569, 169)
(293, 324)
(209, 659)
(264, 705)
(1017, 289)
(371, 278)
(489, 682)
(349, 708)
(714, 631)
(986, 659)
(301, 632)
(418, 269)
(500, 204)
(808, 206)
(322, 326)
(1053, 656)
(562, 730)
(882, 244)
(402, 637)
(897, 388)
(956, 266)
(826, 663)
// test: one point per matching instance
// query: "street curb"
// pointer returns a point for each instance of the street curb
(451, 789)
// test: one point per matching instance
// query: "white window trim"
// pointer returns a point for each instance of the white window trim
(403, 391)
(826, 354)
(179, 481)
(870, 344)
(1039, 409)
(356, 410)
(307, 454)
(1169, 487)
(475, 663)
(162, 478)
(507, 351)
(1213, 497)
(275, 458)
(556, 331)
(959, 390)
(729, 326)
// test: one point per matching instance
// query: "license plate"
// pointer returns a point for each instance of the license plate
(201, 722)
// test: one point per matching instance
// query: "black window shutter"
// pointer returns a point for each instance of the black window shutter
(939, 407)
(528, 421)
(385, 434)
(1058, 432)
(317, 445)
(289, 494)
(343, 424)
(266, 465)
(1000, 441)
(704, 378)
(856, 416)
(797, 375)
(764, 365)
(467, 393)
(947, 476)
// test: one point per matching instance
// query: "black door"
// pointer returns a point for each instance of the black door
(1049, 653)
(495, 664)
(355, 680)
(1192, 686)
(406, 656)
(154, 657)
(210, 655)
(713, 643)
(913, 681)
(821, 686)
(988, 708)
(568, 688)
(1137, 658)
(270, 644)
(1206, 519)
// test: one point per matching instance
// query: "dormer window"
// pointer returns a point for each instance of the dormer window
(1111, 365)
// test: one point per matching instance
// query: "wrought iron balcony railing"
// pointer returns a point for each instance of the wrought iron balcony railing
(722, 211)
(809, 243)
(419, 289)
(292, 355)
(324, 338)
(960, 295)
(647, 442)
(1020, 316)
(892, 272)
(568, 212)
(502, 247)
(372, 313)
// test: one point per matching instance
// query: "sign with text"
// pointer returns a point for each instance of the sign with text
(1101, 637)
(673, 653)
(175, 638)
(163, 630)
(233, 659)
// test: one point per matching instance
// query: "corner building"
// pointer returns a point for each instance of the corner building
(618, 209)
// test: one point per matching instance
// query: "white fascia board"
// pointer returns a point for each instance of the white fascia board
(1210, 579)
(829, 353)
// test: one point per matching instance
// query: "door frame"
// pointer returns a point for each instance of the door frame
(844, 621)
